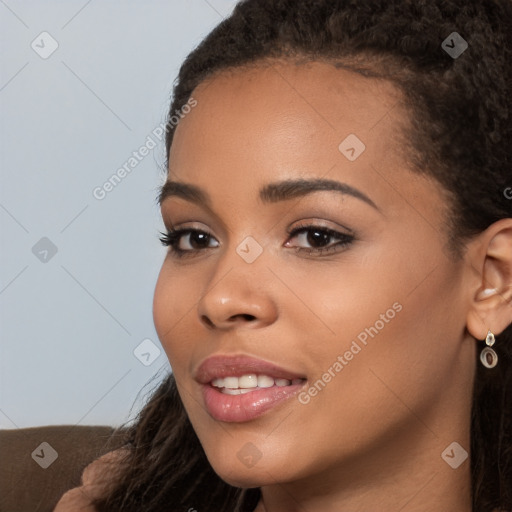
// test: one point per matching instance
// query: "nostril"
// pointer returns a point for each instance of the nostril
(228, 322)
(243, 316)
(207, 321)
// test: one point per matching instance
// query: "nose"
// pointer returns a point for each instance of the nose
(238, 298)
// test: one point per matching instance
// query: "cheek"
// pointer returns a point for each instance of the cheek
(391, 329)
(173, 302)
(164, 304)
(398, 362)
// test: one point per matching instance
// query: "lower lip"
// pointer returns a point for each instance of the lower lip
(247, 406)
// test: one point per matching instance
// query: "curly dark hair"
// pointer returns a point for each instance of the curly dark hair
(461, 135)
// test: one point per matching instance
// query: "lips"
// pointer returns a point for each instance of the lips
(220, 367)
(218, 373)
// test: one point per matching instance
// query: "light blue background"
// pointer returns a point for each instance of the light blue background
(69, 326)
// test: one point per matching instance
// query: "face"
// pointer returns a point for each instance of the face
(304, 241)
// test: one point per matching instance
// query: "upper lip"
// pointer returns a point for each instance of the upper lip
(220, 366)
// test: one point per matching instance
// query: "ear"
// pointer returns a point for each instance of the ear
(490, 255)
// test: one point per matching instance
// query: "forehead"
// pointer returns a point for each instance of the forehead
(319, 85)
(261, 125)
(285, 111)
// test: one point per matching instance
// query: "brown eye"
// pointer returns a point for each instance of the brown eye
(183, 241)
(197, 240)
(317, 239)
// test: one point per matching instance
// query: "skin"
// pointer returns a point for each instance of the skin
(95, 478)
(372, 439)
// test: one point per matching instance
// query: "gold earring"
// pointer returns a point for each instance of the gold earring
(488, 356)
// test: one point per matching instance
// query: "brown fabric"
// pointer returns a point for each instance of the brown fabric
(27, 487)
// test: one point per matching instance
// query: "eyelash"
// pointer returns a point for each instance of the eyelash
(172, 238)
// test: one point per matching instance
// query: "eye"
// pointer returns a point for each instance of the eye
(181, 241)
(318, 239)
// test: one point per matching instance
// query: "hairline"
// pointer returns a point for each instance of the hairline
(371, 65)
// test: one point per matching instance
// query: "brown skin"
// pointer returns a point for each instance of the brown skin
(95, 478)
(373, 438)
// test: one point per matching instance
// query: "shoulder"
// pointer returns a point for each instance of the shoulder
(94, 480)
(75, 500)
(98, 471)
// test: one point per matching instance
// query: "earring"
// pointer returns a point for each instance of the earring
(488, 356)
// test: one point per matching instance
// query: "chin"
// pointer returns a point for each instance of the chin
(232, 468)
(266, 471)
(245, 479)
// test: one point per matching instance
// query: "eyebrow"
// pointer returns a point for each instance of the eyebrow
(271, 193)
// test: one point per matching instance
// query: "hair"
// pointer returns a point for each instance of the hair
(460, 134)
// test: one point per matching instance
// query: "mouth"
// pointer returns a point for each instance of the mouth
(241, 388)
(251, 382)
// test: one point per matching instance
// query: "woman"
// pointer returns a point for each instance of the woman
(336, 302)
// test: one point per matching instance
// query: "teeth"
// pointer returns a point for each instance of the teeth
(231, 382)
(235, 391)
(265, 382)
(250, 382)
